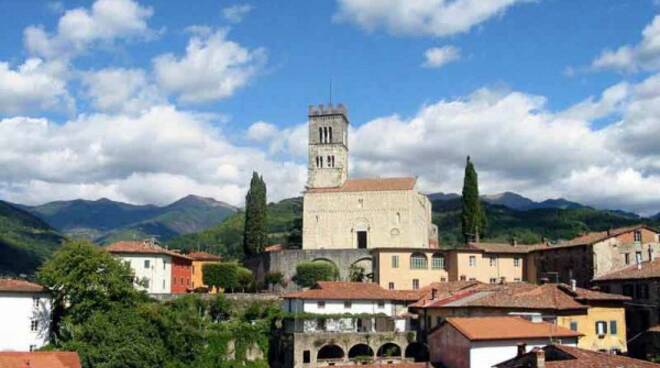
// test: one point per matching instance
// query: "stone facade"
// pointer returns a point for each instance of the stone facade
(328, 146)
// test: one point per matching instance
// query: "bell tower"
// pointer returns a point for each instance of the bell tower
(328, 146)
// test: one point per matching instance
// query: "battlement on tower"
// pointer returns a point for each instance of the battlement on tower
(327, 110)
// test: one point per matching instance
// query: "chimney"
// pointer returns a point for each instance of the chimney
(573, 285)
(514, 241)
(539, 361)
(522, 349)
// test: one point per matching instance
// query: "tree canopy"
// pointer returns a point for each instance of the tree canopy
(473, 219)
(309, 273)
(254, 235)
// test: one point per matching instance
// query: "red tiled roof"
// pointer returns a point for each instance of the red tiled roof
(444, 291)
(563, 356)
(385, 365)
(273, 248)
(346, 290)
(20, 286)
(203, 256)
(141, 247)
(370, 185)
(521, 296)
(597, 236)
(40, 359)
(505, 247)
(648, 270)
(506, 328)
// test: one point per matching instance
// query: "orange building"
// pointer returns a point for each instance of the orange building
(199, 259)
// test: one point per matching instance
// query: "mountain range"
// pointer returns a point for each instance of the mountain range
(512, 200)
(105, 220)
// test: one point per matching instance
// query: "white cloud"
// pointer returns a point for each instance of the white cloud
(118, 89)
(436, 57)
(236, 13)
(79, 28)
(631, 58)
(261, 131)
(213, 68)
(420, 17)
(152, 157)
(612, 100)
(34, 85)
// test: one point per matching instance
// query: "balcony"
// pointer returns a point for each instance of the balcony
(346, 324)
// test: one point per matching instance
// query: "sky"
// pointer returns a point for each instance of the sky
(148, 101)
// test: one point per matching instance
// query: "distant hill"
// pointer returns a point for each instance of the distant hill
(512, 200)
(25, 240)
(105, 220)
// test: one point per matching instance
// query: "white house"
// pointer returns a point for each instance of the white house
(25, 315)
(352, 298)
(478, 342)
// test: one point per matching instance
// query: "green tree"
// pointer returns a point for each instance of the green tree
(245, 279)
(83, 279)
(254, 233)
(473, 219)
(274, 278)
(309, 273)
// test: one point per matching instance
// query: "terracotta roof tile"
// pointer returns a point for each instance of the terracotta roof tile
(598, 236)
(648, 270)
(506, 247)
(274, 248)
(563, 356)
(203, 256)
(39, 359)
(20, 286)
(385, 365)
(141, 247)
(506, 328)
(370, 185)
(346, 290)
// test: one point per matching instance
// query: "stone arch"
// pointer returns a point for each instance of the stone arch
(330, 262)
(360, 350)
(417, 351)
(389, 349)
(366, 266)
(330, 351)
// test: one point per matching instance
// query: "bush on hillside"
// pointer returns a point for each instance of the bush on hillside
(309, 273)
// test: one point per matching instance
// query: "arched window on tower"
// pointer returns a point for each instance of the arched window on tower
(320, 135)
(330, 135)
(333, 165)
(321, 161)
(317, 161)
(325, 134)
(329, 162)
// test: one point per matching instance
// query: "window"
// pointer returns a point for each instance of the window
(601, 328)
(330, 135)
(397, 218)
(306, 356)
(463, 278)
(493, 280)
(146, 283)
(163, 284)
(650, 253)
(492, 261)
(629, 290)
(613, 328)
(381, 304)
(418, 261)
(320, 305)
(473, 261)
(638, 236)
(320, 135)
(34, 325)
(516, 279)
(395, 261)
(443, 279)
(325, 134)
(626, 258)
(415, 284)
(348, 305)
(473, 279)
(438, 262)
(163, 265)
(574, 325)
(516, 262)
(638, 257)
(391, 286)
(147, 263)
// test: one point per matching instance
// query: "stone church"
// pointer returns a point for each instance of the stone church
(344, 213)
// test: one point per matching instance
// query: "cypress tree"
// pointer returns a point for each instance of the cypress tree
(473, 219)
(254, 234)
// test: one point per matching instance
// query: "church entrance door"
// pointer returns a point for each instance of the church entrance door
(362, 239)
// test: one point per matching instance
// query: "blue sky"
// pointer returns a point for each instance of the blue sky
(520, 85)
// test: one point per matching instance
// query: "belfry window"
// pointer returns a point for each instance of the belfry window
(330, 135)
(320, 135)
(329, 161)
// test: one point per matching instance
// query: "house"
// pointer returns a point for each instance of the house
(641, 282)
(336, 323)
(199, 259)
(25, 317)
(157, 270)
(564, 356)
(409, 268)
(40, 359)
(599, 317)
(344, 213)
(594, 254)
(478, 342)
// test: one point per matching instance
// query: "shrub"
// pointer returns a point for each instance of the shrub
(309, 273)
(274, 278)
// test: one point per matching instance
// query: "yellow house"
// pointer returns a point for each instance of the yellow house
(599, 316)
(199, 260)
(409, 268)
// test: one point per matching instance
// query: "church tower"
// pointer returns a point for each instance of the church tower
(328, 146)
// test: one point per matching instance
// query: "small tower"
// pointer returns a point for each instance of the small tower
(328, 146)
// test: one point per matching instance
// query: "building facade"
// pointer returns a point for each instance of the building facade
(409, 268)
(199, 259)
(25, 317)
(343, 213)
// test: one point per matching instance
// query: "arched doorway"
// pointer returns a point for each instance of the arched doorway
(389, 350)
(417, 351)
(361, 352)
(330, 352)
